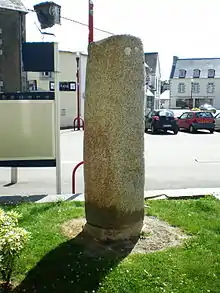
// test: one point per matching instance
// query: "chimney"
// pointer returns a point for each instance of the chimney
(175, 58)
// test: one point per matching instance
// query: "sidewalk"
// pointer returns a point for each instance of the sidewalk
(150, 194)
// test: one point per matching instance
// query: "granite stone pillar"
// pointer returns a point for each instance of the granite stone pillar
(114, 138)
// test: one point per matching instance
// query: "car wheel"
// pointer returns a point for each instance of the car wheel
(175, 131)
(153, 129)
(192, 129)
(211, 130)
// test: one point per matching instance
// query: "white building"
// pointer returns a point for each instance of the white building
(68, 90)
(195, 81)
(154, 80)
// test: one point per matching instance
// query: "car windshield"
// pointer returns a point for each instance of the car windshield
(166, 113)
(204, 115)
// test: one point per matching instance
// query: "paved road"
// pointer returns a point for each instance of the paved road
(172, 162)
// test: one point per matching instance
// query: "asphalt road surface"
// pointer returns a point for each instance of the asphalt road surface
(171, 162)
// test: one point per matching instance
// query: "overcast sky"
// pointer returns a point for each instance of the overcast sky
(189, 28)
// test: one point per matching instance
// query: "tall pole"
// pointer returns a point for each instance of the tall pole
(191, 96)
(77, 88)
(91, 21)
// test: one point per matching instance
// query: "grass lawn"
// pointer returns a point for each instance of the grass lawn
(53, 263)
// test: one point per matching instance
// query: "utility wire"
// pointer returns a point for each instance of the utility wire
(81, 23)
(84, 24)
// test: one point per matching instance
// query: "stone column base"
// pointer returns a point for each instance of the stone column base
(125, 233)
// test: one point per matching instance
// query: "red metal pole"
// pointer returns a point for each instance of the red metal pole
(74, 177)
(91, 21)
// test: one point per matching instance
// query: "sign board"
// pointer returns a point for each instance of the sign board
(28, 130)
(38, 57)
(64, 86)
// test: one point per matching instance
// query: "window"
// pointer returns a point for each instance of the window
(189, 116)
(63, 112)
(184, 116)
(210, 88)
(195, 87)
(204, 115)
(51, 85)
(181, 88)
(1, 86)
(166, 113)
(182, 73)
(182, 103)
(46, 75)
(32, 85)
(196, 73)
(211, 73)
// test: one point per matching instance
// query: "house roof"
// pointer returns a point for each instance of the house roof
(151, 60)
(189, 64)
(13, 5)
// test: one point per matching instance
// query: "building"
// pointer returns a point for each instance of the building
(195, 81)
(165, 100)
(12, 34)
(44, 81)
(153, 74)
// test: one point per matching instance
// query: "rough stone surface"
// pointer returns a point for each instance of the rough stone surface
(114, 138)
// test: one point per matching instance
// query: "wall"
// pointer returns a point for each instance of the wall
(12, 25)
(174, 94)
(68, 99)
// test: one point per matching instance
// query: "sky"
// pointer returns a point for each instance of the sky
(187, 29)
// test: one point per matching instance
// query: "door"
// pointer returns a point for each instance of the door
(189, 120)
(217, 121)
(182, 120)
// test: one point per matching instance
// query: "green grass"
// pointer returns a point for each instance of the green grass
(52, 263)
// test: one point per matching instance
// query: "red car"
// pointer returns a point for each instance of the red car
(195, 120)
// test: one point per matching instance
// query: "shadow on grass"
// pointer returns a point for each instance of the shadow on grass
(78, 265)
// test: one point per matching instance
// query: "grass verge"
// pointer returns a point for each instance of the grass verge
(52, 263)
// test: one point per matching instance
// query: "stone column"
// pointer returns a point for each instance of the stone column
(114, 138)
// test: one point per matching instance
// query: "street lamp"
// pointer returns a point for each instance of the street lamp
(191, 95)
(77, 121)
(91, 25)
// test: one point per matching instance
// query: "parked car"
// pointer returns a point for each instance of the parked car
(195, 120)
(161, 120)
(217, 121)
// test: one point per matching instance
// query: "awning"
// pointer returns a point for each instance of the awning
(149, 93)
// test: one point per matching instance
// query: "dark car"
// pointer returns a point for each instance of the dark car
(195, 120)
(161, 120)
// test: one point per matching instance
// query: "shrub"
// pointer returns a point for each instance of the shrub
(12, 241)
